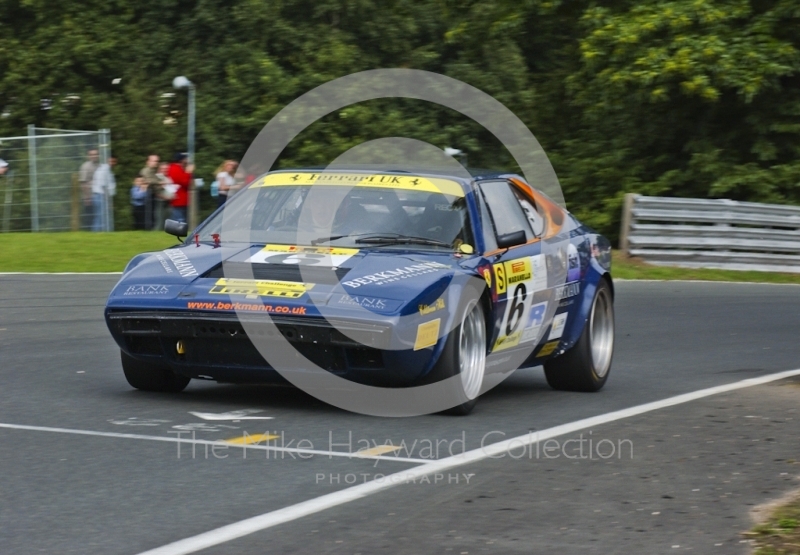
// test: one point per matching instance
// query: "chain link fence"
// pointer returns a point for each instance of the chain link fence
(41, 190)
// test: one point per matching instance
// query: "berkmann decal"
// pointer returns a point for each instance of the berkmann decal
(247, 307)
(181, 262)
(388, 276)
(567, 290)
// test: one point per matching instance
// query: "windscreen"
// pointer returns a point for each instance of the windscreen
(276, 210)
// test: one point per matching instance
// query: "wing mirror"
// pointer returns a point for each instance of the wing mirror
(511, 239)
(176, 228)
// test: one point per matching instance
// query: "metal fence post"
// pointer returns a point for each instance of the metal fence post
(33, 177)
(625, 226)
(75, 204)
(108, 200)
(191, 217)
(9, 179)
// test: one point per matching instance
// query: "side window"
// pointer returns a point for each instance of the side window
(505, 210)
(487, 225)
(534, 218)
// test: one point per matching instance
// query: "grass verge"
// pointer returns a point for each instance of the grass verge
(79, 251)
(632, 268)
(110, 252)
(779, 534)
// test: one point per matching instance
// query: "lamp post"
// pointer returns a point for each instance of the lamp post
(457, 153)
(179, 83)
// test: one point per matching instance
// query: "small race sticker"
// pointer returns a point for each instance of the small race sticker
(427, 334)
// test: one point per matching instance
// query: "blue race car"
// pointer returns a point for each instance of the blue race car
(383, 278)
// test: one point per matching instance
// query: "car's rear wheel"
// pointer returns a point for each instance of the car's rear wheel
(585, 367)
(464, 355)
(149, 377)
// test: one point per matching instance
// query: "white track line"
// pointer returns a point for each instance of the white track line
(219, 442)
(626, 280)
(293, 512)
(60, 273)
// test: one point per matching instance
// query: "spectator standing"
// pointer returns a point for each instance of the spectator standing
(227, 184)
(3, 166)
(104, 187)
(180, 173)
(139, 197)
(164, 196)
(85, 177)
(150, 175)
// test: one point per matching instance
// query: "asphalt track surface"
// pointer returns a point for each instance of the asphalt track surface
(683, 477)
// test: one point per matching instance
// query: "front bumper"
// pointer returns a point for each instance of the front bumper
(219, 346)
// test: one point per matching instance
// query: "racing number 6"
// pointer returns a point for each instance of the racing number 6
(517, 309)
(304, 258)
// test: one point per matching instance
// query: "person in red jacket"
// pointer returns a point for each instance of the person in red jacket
(180, 173)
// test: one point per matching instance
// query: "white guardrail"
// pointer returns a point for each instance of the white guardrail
(711, 233)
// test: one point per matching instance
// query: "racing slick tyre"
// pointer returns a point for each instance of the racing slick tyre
(464, 355)
(148, 377)
(586, 365)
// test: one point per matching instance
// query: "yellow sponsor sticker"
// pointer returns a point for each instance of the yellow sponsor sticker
(500, 278)
(427, 309)
(427, 334)
(310, 250)
(518, 270)
(258, 288)
(508, 341)
(548, 349)
(406, 182)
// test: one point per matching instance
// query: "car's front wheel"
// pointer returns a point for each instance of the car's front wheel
(464, 356)
(586, 365)
(149, 377)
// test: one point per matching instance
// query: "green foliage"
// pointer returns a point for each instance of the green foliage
(688, 98)
(695, 98)
(787, 523)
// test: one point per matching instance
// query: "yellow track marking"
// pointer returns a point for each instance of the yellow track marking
(250, 440)
(379, 450)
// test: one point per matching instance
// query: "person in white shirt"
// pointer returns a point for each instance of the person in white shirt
(227, 184)
(104, 186)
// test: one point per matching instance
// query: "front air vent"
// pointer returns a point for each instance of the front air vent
(143, 345)
(133, 326)
(279, 272)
